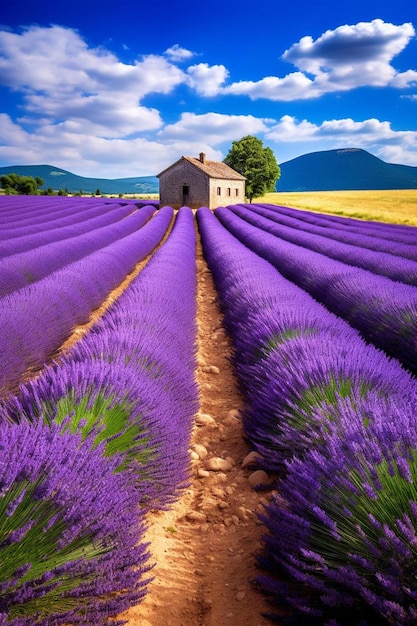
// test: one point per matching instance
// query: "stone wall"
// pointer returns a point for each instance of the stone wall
(174, 181)
(231, 192)
(182, 184)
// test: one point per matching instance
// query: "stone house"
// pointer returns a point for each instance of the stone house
(197, 182)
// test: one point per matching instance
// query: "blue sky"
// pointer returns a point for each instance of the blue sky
(125, 88)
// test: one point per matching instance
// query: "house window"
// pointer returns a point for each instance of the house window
(228, 191)
(219, 191)
(236, 192)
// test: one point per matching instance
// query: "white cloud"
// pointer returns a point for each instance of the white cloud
(104, 114)
(372, 135)
(178, 54)
(343, 59)
(82, 108)
(212, 128)
(27, 62)
(400, 153)
(89, 155)
(83, 154)
(293, 87)
(88, 86)
(82, 151)
(11, 132)
(206, 80)
(405, 79)
(358, 44)
(290, 130)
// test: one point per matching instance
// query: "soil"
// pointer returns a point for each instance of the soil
(204, 546)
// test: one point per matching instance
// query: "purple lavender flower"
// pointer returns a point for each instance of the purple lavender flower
(383, 310)
(20, 269)
(347, 524)
(66, 298)
(337, 418)
(130, 383)
(72, 546)
(291, 355)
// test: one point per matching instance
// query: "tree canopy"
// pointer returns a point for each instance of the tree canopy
(21, 185)
(249, 157)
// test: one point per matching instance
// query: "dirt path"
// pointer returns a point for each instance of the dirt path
(204, 545)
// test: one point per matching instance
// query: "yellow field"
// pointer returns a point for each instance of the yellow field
(398, 206)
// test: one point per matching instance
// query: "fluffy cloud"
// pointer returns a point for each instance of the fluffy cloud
(84, 109)
(365, 42)
(88, 86)
(11, 132)
(373, 135)
(292, 87)
(213, 128)
(339, 60)
(82, 153)
(178, 54)
(27, 62)
(86, 153)
(206, 80)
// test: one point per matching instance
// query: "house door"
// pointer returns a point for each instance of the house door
(185, 195)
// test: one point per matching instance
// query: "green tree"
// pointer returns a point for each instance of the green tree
(48, 192)
(249, 157)
(21, 185)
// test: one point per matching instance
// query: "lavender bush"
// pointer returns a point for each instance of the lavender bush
(52, 219)
(376, 232)
(390, 238)
(71, 540)
(307, 373)
(130, 381)
(66, 298)
(291, 354)
(20, 269)
(16, 245)
(336, 418)
(122, 400)
(344, 526)
(387, 264)
(383, 310)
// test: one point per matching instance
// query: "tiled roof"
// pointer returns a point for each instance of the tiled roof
(213, 169)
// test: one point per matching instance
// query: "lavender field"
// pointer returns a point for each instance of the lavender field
(322, 314)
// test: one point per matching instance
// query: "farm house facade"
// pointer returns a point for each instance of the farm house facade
(196, 182)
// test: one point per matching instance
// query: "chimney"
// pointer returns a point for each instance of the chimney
(202, 157)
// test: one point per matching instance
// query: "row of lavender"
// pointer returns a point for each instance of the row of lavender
(20, 269)
(29, 223)
(396, 260)
(96, 440)
(37, 318)
(35, 216)
(336, 418)
(368, 234)
(382, 309)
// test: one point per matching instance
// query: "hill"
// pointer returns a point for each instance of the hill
(328, 170)
(343, 170)
(57, 178)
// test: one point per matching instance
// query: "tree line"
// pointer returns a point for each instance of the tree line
(14, 184)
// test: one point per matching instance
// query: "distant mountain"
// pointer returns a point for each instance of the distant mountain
(345, 169)
(329, 170)
(56, 178)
